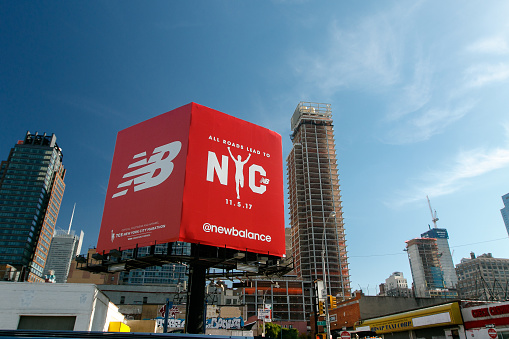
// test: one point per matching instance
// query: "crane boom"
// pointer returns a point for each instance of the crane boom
(433, 216)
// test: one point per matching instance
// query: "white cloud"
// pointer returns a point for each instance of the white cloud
(367, 56)
(414, 95)
(493, 45)
(485, 74)
(466, 166)
(425, 123)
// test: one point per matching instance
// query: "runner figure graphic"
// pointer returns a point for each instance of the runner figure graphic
(239, 171)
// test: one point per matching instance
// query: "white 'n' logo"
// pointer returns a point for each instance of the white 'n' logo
(144, 176)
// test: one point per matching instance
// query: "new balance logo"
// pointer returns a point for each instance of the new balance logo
(152, 172)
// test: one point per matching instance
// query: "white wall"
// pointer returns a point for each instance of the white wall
(84, 301)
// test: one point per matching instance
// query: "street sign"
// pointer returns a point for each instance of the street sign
(492, 333)
(345, 335)
(322, 323)
(264, 314)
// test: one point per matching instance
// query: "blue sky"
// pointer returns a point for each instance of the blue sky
(419, 92)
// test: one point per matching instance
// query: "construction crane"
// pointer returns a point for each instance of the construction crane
(434, 217)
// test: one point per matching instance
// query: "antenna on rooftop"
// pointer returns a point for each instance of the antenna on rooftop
(433, 216)
(72, 216)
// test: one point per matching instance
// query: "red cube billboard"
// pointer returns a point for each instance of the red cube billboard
(196, 175)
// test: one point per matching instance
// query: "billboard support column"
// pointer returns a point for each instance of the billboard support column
(196, 300)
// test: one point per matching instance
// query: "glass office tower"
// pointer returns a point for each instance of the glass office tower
(31, 191)
(505, 211)
(65, 246)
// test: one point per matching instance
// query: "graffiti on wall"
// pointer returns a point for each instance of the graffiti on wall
(213, 323)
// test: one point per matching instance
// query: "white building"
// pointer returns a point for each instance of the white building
(396, 280)
(397, 286)
(74, 307)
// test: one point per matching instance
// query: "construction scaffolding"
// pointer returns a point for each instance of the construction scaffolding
(427, 272)
(316, 216)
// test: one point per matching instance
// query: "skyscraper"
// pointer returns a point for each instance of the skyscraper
(316, 216)
(444, 256)
(427, 274)
(31, 191)
(505, 211)
(64, 247)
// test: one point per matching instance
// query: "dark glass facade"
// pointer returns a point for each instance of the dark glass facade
(165, 274)
(31, 191)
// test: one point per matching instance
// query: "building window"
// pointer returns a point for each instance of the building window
(145, 299)
(122, 300)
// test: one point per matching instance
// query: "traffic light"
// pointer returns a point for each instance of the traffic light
(332, 302)
(321, 307)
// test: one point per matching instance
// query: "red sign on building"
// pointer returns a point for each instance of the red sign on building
(196, 175)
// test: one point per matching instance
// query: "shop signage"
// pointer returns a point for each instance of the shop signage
(493, 314)
(446, 314)
(393, 326)
(490, 311)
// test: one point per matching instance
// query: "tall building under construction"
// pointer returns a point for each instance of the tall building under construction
(427, 272)
(316, 216)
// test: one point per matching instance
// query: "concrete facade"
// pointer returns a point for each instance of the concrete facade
(83, 304)
(483, 278)
(397, 286)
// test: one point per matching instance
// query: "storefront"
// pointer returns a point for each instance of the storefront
(489, 320)
(442, 321)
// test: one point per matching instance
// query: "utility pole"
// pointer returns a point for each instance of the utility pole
(324, 244)
(327, 320)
